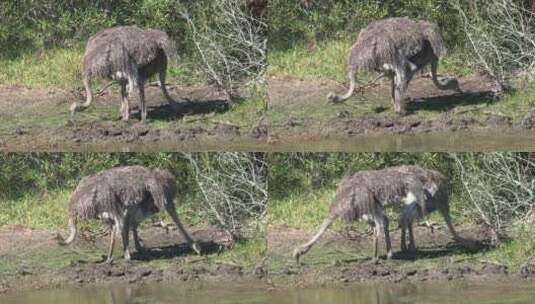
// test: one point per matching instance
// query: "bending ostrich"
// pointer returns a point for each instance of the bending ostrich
(129, 55)
(363, 196)
(398, 48)
(123, 197)
(437, 189)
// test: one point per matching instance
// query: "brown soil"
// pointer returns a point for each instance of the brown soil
(41, 121)
(181, 263)
(376, 117)
(350, 258)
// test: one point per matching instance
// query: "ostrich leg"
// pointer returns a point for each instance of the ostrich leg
(113, 234)
(387, 238)
(143, 106)
(161, 79)
(137, 240)
(124, 227)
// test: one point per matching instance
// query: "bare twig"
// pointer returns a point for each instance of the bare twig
(233, 187)
(501, 189)
(502, 35)
(232, 47)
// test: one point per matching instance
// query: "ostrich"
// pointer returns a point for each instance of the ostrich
(123, 197)
(129, 55)
(398, 48)
(437, 190)
(363, 196)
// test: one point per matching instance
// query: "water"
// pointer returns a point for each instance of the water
(460, 141)
(356, 294)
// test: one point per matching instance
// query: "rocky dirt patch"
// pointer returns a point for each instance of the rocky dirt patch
(21, 245)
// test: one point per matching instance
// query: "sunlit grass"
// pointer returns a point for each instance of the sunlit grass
(44, 211)
(307, 210)
(329, 60)
(61, 68)
(50, 211)
(247, 253)
(51, 68)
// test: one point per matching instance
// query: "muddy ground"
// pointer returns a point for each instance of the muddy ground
(33, 259)
(345, 257)
(34, 119)
(299, 115)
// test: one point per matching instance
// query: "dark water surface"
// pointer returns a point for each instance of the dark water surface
(359, 294)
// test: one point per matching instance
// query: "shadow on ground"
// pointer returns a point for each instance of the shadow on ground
(171, 251)
(165, 112)
(448, 102)
(452, 249)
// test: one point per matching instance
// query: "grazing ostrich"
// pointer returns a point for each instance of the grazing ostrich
(398, 48)
(129, 55)
(123, 197)
(363, 196)
(437, 189)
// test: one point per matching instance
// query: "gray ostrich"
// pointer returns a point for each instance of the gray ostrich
(397, 48)
(363, 196)
(437, 190)
(129, 55)
(123, 197)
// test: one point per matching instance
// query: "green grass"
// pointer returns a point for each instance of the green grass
(50, 211)
(247, 253)
(61, 68)
(301, 210)
(51, 68)
(46, 211)
(307, 210)
(329, 60)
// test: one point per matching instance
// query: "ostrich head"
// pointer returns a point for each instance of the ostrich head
(333, 98)
(197, 248)
(298, 252)
(450, 84)
(74, 107)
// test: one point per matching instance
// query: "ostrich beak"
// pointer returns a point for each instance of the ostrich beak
(196, 248)
(296, 256)
(73, 108)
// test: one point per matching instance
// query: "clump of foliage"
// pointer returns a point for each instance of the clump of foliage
(230, 45)
(234, 193)
(33, 25)
(500, 190)
(501, 34)
(310, 21)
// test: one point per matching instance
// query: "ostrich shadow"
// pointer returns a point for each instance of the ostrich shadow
(448, 102)
(166, 112)
(171, 251)
(451, 249)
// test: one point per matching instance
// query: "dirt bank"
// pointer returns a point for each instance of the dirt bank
(40, 120)
(345, 257)
(33, 259)
(299, 112)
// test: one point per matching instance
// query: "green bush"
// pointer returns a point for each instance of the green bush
(36, 173)
(33, 25)
(302, 21)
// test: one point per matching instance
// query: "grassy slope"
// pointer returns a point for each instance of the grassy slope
(60, 69)
(328, 60)
(307, 210)
(49, 212)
